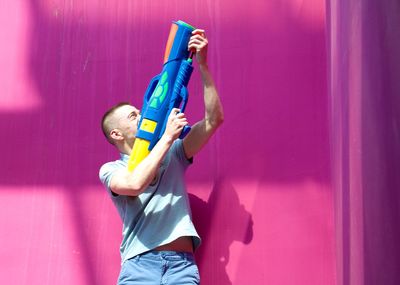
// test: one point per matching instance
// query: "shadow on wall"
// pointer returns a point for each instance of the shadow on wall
(275, 104)
(273, 87)
(220, 221)
(80, 68)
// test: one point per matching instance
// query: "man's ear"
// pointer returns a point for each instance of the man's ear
(116, 134)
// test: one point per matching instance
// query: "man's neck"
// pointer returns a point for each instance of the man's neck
(125, 148)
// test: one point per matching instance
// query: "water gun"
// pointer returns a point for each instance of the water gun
(166, 91)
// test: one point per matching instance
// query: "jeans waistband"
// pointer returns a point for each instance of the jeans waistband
(168, 254)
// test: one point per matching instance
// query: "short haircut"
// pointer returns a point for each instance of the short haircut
(105, 126)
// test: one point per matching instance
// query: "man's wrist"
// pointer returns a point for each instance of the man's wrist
(167, 139)
(203, 66)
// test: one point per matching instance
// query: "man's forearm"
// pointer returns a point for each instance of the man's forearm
(134, 183)
(145, 172)
(214, 115)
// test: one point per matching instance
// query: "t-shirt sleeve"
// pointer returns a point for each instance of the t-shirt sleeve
(105, 174)
(179, 152)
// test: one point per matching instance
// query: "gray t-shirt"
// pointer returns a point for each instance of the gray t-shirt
(161, 213)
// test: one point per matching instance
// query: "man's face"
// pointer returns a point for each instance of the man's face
(127, 118)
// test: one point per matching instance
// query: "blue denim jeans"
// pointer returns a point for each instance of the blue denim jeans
(160, 267)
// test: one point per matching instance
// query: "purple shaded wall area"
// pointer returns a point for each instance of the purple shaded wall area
(365, 127)
(260, 190)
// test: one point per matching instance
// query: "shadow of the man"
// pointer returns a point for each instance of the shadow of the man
(220, 221)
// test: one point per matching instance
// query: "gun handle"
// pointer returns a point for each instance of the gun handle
(149, 91)
(185, 131)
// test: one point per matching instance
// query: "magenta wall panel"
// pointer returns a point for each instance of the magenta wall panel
(260, 190)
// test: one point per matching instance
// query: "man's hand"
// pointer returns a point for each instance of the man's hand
(198, 44)
(176, 122)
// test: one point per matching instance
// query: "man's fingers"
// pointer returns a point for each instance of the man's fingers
(197, 43)
(198, 31)
(197, 37)
(175, 110)
(180, 115)
(196, 47)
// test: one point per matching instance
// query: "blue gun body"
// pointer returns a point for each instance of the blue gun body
(165, 91)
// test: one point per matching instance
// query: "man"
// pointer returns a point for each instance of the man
(158, 234)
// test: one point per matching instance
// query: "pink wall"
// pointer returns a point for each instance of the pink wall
(260, 190)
